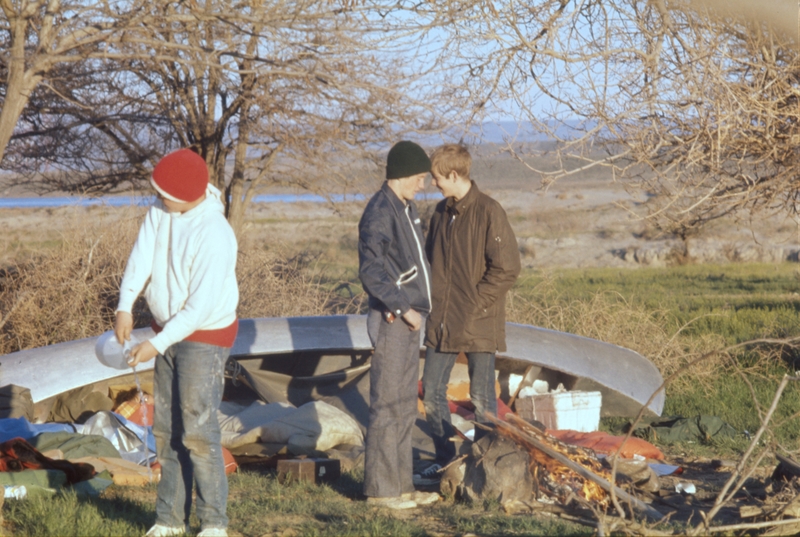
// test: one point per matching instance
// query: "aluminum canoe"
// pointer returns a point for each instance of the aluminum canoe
(627, 380)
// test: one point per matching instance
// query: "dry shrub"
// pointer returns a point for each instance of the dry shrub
(69, 292)
(608, 317)
(276, 284)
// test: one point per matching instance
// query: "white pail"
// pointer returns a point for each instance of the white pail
(111, 353)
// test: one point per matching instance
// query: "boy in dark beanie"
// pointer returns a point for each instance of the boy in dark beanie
(396, 276)
(185, 260)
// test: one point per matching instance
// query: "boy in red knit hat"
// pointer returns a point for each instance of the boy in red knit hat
(185, 260)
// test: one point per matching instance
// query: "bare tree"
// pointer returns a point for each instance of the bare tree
(294, 92)
(37, 36)
(693, 101)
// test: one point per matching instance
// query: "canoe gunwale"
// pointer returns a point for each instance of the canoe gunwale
(632, 380)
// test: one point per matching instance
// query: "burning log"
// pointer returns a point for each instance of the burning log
(565, 470)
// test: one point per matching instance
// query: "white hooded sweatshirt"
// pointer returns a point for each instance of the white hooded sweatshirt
(190, 261)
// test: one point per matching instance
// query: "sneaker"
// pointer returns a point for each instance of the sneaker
(395, 502)
(429, 476)
(422, 498)
(213, 532)
(160, 530)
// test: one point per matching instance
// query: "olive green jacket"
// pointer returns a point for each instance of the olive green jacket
(474, 261)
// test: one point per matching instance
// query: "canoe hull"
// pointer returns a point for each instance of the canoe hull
(626, 380)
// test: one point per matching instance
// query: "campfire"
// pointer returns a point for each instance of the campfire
(563, 472)
(551, 477)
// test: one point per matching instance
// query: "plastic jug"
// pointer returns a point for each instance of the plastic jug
(110, 353)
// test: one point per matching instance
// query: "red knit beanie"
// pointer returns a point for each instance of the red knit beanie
(181, 176)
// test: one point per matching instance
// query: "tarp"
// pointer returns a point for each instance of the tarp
(609, 444)
(314, 426)
(74, 445)
(22, 428)
(17, 455)
(126, 436)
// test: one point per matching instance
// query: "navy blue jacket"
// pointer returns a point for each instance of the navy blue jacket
(391, 260)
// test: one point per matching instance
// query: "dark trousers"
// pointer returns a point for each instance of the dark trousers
(393, 376)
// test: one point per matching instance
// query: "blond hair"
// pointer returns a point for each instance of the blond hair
(451, 158)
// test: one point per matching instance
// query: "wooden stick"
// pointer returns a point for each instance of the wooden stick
(752, 525)
(519, 387)
(577, 468)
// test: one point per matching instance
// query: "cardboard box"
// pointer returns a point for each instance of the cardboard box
(577, 411)
(312, 470)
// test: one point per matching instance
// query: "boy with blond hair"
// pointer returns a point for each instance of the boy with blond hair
(474, 262)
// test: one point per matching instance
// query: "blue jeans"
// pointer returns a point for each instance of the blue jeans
(435, 377)
(188, 390)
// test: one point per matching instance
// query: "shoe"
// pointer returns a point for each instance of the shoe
(429, 476)
(213, 532)
(160, 530)
(394, 502)
(422, 498)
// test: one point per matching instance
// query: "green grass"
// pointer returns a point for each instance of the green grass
(733, 303)
(259, 505)
(739, 302)
(68, 514)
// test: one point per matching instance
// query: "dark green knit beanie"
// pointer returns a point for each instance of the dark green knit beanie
(406, 159)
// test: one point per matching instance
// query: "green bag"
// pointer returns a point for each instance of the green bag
(677, 429)
(48, 479)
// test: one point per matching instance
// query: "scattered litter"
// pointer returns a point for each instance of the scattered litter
(16, 492)
(665, 469)
(685, 488)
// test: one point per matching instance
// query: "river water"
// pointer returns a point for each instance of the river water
(126, 201)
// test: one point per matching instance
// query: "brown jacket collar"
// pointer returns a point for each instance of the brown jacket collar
(458, 207)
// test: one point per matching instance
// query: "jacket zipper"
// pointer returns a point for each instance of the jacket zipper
(421, 256)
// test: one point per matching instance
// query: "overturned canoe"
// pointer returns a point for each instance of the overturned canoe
(294, 358)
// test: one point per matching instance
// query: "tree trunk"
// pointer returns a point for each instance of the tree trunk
(236, 200)
(20, 84)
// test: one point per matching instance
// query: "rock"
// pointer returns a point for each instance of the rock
(526, 247)
(656, 255)
(497, 469)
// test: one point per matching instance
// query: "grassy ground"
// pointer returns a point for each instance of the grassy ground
(673, 316)
(259, 506)
(691, 311)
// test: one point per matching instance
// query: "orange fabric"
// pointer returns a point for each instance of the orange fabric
(230, 463)
(608, 444)
(132, 411)
(460, 391)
